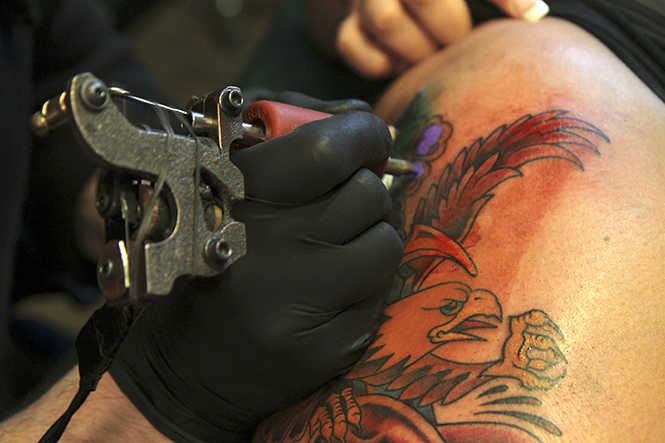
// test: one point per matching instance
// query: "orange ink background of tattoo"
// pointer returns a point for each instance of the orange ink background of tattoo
(499, 238)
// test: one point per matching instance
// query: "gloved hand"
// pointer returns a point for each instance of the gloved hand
(208, 362)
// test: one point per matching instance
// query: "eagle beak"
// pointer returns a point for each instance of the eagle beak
(482, 311)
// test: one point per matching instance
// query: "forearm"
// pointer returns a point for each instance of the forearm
(106, 416)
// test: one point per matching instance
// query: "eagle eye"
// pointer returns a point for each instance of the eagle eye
(451, 307)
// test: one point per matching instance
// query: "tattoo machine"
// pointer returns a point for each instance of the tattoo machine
(166, 199)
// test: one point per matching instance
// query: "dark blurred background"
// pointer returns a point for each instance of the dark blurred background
(196, 46)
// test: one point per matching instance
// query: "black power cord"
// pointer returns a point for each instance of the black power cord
(96, 345)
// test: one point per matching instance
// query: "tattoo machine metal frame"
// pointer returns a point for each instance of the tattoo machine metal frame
(166, 200)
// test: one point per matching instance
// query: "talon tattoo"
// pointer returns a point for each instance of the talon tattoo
(418, 391)
(335, 418)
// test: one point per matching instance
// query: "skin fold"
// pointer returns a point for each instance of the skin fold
(528, 304)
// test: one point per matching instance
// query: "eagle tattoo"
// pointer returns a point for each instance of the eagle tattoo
(412, 393)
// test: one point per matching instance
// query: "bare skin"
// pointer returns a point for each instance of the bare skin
(529, 300)
(106, 416)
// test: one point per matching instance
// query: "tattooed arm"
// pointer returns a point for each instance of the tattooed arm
(528, 305)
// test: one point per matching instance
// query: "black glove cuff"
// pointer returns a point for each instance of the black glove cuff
(169, 416)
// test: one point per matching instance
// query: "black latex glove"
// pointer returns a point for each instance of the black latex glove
(211, 360)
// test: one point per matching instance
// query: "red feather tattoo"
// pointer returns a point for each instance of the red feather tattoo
(446, 215)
